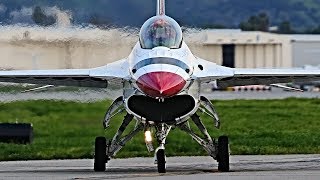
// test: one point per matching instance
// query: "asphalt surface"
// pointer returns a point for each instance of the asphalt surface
(242, 167)
(97, 95)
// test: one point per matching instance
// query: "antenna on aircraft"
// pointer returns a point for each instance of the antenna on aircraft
(161, 7)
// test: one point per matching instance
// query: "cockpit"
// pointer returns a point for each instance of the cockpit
(160, 31)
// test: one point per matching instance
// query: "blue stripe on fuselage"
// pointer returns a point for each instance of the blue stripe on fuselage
(161, 60)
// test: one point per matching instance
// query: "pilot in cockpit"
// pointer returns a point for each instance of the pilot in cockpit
(160, 31)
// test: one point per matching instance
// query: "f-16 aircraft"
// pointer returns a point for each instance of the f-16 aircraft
(161, 81)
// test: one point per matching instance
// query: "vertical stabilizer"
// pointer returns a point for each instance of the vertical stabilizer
(161, 7)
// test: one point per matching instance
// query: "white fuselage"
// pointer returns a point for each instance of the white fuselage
(178, 63)
(183, 67)
(161, 65)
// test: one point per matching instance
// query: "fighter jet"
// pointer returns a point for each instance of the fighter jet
(161, 81)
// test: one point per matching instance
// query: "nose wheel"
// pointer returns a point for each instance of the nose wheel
(162, 131)
(161, 161)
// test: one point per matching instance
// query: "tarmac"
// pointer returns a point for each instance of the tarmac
(86, 95)
(242, 168)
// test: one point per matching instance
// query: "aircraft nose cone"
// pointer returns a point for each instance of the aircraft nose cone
(161, 84)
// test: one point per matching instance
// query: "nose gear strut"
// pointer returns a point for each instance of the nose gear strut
(162, 131)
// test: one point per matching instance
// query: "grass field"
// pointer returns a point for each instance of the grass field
(68, 129)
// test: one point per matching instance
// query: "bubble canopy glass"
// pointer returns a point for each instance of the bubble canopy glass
(160, 31)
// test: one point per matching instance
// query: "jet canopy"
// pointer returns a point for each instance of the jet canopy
(160, 31)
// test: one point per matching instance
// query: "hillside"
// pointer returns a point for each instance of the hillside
(301, 13)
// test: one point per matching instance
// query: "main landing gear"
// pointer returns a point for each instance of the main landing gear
(223, 154)
(100, 157)
(104, 149)
(217, 149)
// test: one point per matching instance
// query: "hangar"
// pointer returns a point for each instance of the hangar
(305, 50)
(252, 49)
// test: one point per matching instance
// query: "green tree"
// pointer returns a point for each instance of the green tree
(256, 23)
(40, 18)
(99, 21)
(316, 30)
(285, 28)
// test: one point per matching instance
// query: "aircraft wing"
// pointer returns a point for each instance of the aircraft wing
(113, 73)
(227, 77)
(244, 77)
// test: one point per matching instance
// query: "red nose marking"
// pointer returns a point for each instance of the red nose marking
(161, 84)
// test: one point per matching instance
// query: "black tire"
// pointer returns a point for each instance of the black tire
(161, 161)
(223, 154)
(100, 157)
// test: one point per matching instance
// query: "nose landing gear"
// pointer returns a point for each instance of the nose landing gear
(161, 160)
(162, 131)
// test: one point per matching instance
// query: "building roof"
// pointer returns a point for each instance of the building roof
(236, 36)
(305, 37)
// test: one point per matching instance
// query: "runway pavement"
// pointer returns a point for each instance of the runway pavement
(242, 168)
(97, 95)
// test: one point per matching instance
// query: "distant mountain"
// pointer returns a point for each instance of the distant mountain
(301, 13)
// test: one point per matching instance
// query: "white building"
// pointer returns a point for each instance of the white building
(305, 50)
(243, 49)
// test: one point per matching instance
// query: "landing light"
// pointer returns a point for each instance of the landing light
(148, 136)
(148, 139)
